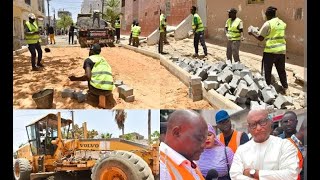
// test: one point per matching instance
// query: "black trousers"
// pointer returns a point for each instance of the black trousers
(199, 36)
(118, 34)
(71, 35)
(130, 39)
(32, 48)
(278, 60)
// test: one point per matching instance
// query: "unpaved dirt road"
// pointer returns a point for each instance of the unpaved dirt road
(154, 87)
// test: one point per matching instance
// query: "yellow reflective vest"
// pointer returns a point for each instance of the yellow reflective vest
(233, 31)
(275, 40)
(117, 24)
(32, 38)
(136, 30)
(101, 74)
(162, 23)
(199, 22)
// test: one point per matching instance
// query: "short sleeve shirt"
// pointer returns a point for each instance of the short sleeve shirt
(265, 29)
(88, 63)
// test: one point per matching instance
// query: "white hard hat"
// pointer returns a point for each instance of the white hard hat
(32, 16)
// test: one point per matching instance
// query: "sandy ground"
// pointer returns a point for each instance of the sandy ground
(134, 69)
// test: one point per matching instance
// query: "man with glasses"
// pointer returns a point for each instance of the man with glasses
(230, 137)
(264, 156)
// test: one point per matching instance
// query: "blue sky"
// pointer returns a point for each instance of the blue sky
(100, 120)
(73, 6)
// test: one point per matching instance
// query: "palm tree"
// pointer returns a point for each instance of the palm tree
(120, 118)
(106, 135)
(149, 125)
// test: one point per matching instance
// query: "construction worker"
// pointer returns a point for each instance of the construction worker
(71, 33)
(51, 35)
(234, 33)
(184, 142)
(273, 31)
(229, 137)
(162, 30)
(132, 25)
(198, 30)
(136, 31)
(33, 39)
(97, 72)
(117, 25)
(96, 15)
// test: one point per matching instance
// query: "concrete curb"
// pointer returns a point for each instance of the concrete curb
(142, 51)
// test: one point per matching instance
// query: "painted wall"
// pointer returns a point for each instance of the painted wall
(291, 12)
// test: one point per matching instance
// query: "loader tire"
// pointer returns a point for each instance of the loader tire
(121, 165)
(22, 169)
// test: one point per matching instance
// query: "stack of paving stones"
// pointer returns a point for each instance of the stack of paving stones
(236, 82)
(80, 96)
(125, 92)
(195, 88)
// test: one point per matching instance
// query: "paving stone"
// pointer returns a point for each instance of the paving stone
(245, 72)
(67, 93)
(231, 97)
(234, 82)
(226, 76)
(202, 73)
(223, 89)
(129, 98)
(221, 65)
(248, 79)
(125, 90)
(236, 73)
(118, 83)
(238, 66)
(194, 80)
(254, 105)
(212, 76)
(241, 90)
(208, 84)
(267, 95)
(182, 65)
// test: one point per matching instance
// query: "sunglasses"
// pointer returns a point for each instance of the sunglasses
(262, 122)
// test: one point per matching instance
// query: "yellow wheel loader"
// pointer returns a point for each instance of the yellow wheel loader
(48, 154)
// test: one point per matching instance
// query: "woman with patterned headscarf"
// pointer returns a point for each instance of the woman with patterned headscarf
(215, 156)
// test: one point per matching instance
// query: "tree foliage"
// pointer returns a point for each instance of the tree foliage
(64, 22)
(111, 11)
(106, 135)
(120, 118)
(155, 136)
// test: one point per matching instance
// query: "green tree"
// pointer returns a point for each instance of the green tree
(78, 133)
(129, 137)
(106, 135)
(64, 21)
(120, 118)
(112, 10)
(155, 136)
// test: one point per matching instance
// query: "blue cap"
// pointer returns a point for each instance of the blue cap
(222, 115)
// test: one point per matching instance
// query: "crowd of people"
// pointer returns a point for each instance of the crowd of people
(190, 148)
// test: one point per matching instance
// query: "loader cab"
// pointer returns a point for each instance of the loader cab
(42, 132)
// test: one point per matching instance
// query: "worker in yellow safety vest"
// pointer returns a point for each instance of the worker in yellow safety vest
(273, 31)
(198, 30)
(33, 39)
(136, 31)
(98, 73)
(162, 30)
(117, 25)
(234, 33)
(132, 25)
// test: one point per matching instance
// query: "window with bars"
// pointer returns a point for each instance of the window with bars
(27, 2)
(255, 1)
(123, 3)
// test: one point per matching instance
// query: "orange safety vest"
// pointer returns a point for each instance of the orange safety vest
(300, 156)
(234, 142)
(176, 171)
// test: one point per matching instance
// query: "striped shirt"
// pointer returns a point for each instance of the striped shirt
(215, 158)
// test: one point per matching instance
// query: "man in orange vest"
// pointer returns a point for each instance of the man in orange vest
(289, 123)
(184, 142)
(230, 137)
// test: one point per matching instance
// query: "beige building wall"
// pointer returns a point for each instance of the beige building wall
(291, 12)
(21, 11)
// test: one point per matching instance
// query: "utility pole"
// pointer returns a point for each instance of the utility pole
(72, 124)
(54, 21)
(102, 9)
(48, 12)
